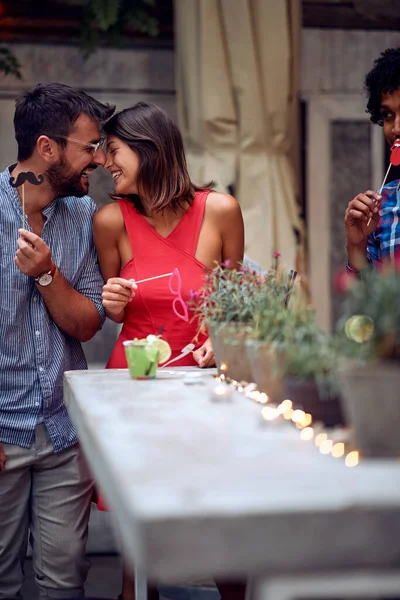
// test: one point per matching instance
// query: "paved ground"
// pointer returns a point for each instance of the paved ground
(104, 581)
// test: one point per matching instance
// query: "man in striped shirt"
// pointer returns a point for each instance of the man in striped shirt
(50, 302)
(373, 220)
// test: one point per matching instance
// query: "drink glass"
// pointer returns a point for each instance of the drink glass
(142, 359)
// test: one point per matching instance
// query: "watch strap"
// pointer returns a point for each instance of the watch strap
(51, 272)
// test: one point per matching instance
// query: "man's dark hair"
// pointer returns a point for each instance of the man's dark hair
(163, 180)
(52, 109)
(383, 78)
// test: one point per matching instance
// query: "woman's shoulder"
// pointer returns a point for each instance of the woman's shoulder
(109, 218)
(222, 205)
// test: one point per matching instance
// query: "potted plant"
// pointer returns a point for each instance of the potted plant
(289, 354)
(274, 321)
(273, 317)
(310, 373)
(369, 339)
(225, 305)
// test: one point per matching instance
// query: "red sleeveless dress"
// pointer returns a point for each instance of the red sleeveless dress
(151, 307)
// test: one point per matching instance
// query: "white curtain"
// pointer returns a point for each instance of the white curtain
(237, 72)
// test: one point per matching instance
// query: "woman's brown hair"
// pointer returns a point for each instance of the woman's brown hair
(163, 180)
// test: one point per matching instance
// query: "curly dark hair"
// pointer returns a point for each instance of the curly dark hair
(384, 77)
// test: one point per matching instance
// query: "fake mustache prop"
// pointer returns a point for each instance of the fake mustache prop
(22, 178)
(26, 176)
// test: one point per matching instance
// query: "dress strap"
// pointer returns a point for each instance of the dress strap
(196, 220)
(133, 223)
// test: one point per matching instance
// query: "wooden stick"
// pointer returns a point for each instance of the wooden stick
(184, 352)
(291, 279)
(151, 278)
(23, 205)
(381, 188)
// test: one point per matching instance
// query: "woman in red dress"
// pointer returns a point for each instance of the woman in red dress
(160, 221)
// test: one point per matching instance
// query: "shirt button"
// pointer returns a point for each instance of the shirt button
(41, 369)
(37, 403)
(37, 333)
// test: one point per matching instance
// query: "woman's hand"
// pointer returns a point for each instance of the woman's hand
(3, 458)
(117, 292)
(204, 356)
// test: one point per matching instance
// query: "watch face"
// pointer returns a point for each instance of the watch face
(45, 279)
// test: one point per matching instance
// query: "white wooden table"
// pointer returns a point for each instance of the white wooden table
(200, 487)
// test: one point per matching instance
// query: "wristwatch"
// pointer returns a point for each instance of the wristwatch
(46, 278)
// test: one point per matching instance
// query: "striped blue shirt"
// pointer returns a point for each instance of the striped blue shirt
(34, 352)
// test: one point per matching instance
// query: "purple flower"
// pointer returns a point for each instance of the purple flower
(227, 263)
(193, 294)
(276, 254)
(244, 269)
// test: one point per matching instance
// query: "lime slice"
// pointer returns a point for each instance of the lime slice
(359, 328)
(164, 349)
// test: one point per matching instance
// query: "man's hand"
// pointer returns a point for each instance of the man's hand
(204, 356)
(33, 256)
(3, 458)
(358, 213)
(117, 292)
(362, 209)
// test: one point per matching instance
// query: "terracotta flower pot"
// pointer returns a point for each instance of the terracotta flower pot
(228, 344)
(371, 402)
(305, 394)
(267, 367)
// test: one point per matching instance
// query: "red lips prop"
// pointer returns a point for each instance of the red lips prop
(395, 161)
(395, 154)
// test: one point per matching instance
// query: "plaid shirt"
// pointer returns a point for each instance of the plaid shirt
(34, 352)
(385, 241)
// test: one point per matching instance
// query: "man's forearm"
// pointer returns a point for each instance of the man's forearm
(72, 312)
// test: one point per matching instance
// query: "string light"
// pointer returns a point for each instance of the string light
(303, 421)
(286, 405)
(288, 414)
(306, 421)
(352, 459)
(269, 413)
(298, 416)
(338, 450)
(307, 433)
(320, 438)
(326, 447)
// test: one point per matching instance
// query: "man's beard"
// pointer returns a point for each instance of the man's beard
(64, 181)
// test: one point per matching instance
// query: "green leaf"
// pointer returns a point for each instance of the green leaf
(107, 20)
(106, 12)
(9, 64)
(143, 23)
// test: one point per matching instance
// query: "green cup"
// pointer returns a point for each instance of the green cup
(142, 359)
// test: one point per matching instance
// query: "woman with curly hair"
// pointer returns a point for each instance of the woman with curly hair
(372, 220)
